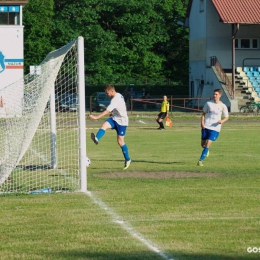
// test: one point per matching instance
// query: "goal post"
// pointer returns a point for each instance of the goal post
(82, 117)
(53, 129)
(43, 131)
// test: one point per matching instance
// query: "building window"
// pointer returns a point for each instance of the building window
(247, 44)
(255, 43)
(10, 15)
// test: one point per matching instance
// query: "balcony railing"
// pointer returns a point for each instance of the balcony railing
(223, 76)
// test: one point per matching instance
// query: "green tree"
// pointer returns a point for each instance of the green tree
(38, 22)
(176, 49)
(124, 39)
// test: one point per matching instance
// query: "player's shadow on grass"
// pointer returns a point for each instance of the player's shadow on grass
(153, 128)
(42, 167)
(156, 162)
(147, 161)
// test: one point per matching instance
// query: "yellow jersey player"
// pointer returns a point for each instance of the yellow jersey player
(163, 113)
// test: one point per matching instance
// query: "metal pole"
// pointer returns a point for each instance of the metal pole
(131, 105)
(81, 116)
(171, 104)
(233, 61)
(53, 130)
(234, 32)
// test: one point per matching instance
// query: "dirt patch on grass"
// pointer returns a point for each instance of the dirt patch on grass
(158, 175)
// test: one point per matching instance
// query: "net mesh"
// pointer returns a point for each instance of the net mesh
(40, 145)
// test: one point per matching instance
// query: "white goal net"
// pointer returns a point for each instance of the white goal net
(42, 126)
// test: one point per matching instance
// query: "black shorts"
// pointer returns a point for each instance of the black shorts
(162, 115)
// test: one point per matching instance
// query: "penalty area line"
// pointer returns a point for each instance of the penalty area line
(128, 228)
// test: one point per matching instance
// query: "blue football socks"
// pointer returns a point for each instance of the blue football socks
(100, 133)
(125, 152)
(204, 153)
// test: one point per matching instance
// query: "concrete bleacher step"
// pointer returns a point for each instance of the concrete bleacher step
(244, 97)
(242, 94)
(244, 91)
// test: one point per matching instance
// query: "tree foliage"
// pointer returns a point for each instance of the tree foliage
(134, 39)
(38, 24)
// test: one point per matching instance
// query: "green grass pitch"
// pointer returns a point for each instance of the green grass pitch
(163, 207)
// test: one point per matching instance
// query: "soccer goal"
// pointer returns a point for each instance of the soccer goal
(43, 127)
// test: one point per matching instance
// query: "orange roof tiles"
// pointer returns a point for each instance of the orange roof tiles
(238, 11)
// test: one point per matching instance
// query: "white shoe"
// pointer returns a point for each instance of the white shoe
(127, 164)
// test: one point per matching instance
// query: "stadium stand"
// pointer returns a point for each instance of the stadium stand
(248, 80)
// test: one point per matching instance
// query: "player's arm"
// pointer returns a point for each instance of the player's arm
(225, 114)
(223, 120)
(203, 120)
(104, 113)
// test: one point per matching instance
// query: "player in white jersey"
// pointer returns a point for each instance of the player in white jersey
(211, 122)
(118, 121)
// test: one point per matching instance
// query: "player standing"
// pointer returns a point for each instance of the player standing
(211, 121)
(118, 121)
(163, 113)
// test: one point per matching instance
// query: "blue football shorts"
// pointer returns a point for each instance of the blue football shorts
(120, 129)
(207, 134)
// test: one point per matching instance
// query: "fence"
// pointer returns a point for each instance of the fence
(182, 104)
(149, 104)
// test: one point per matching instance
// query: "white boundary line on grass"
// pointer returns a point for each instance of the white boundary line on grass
(127, 227)
(142, 122)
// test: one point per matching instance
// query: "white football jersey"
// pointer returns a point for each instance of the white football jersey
(118, 108)
(214, 114)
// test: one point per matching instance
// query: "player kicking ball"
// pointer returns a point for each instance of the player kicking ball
(118, 121)
(211, 122)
